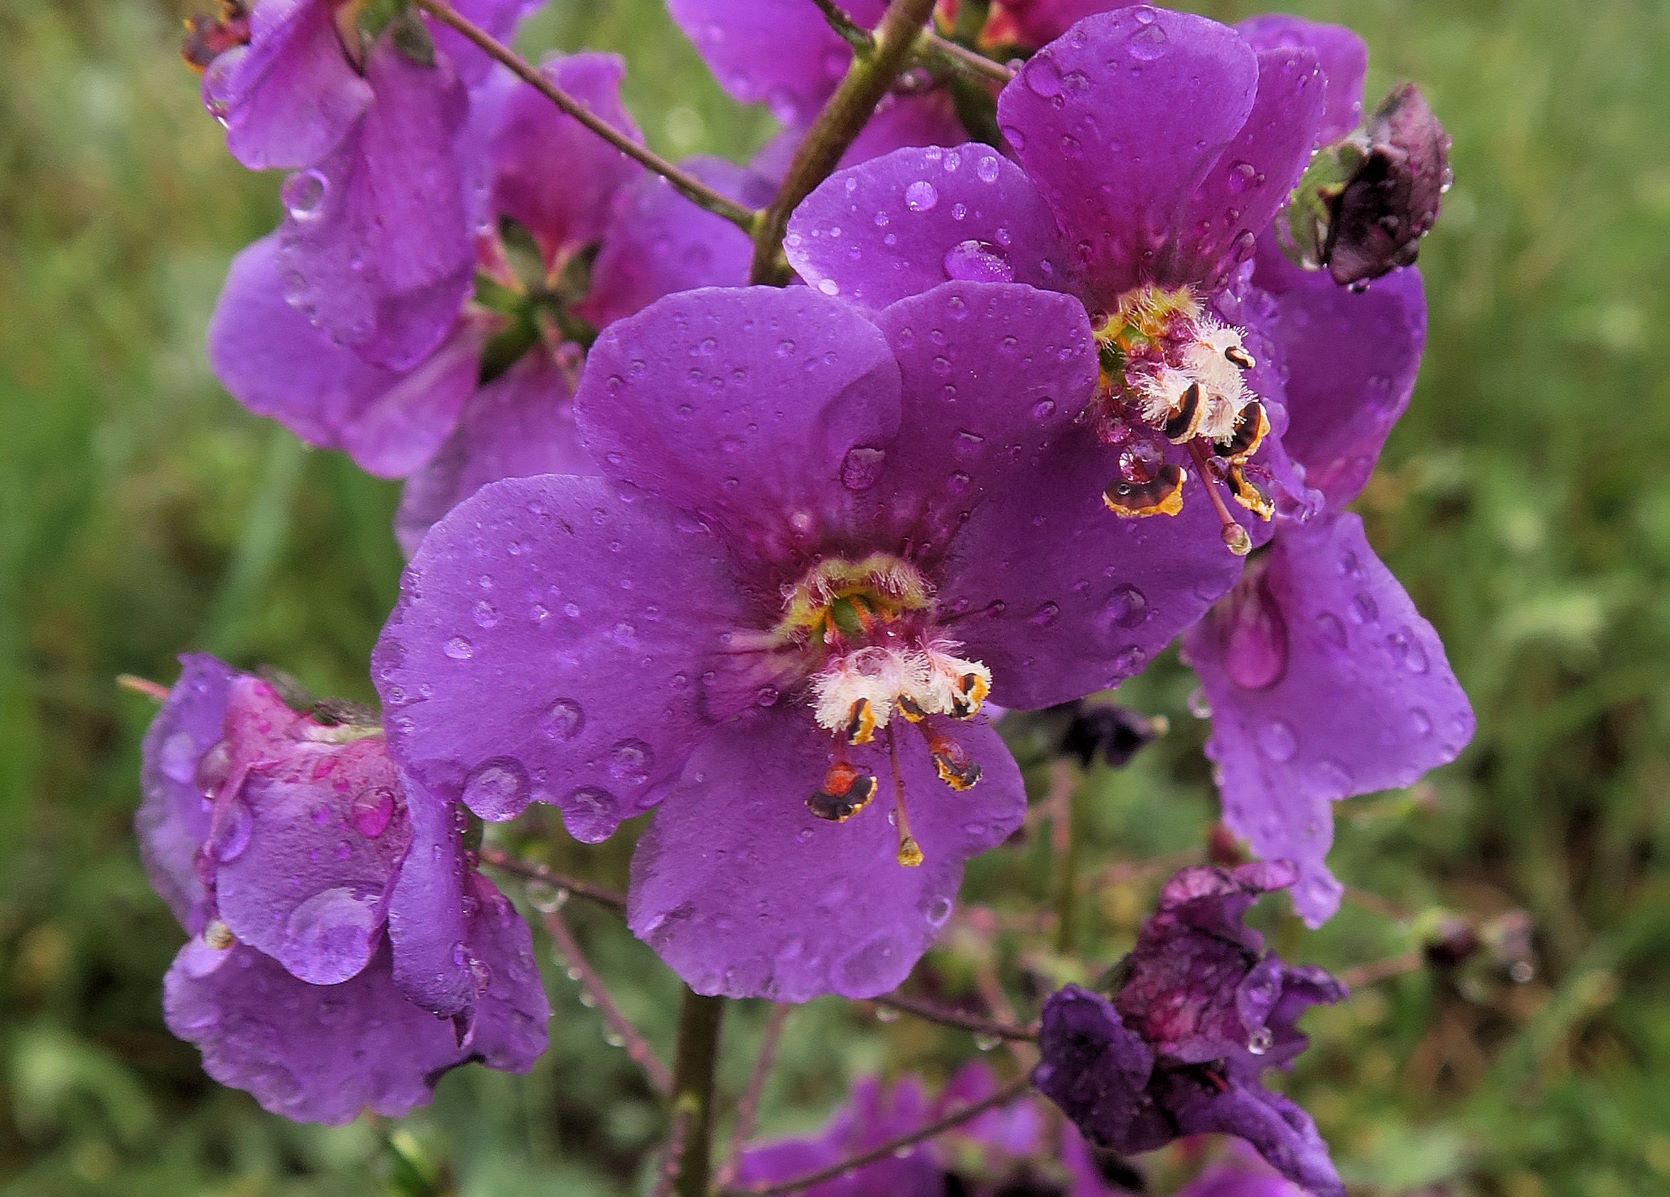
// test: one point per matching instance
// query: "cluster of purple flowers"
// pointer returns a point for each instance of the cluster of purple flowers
(752, 560)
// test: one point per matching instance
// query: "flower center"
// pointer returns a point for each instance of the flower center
(875, 655)
(1171, 372)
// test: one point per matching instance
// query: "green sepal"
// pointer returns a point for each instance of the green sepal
(410, 36)
(1310, 211)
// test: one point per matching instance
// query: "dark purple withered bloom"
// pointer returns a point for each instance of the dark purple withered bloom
(1200, 1013)
(1323, 679)
(345, 952)
(1153, 147)
(787, 57)
(789, 594)
(1010, 1151)
(492, 400)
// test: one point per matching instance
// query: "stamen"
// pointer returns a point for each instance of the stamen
(861, 722)
(951, 760)
(910, 852)
(1238, 356)
(1160, 495)
(1251, 427)
(972, 689)
(846, 790)
(910, 710)
(1235, 537)
(1183, 423)
(1248, 495)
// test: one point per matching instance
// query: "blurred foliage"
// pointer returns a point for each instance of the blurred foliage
(142, 513)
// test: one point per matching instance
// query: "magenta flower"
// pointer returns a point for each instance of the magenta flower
(1201, 1011)
(345, 953)
(1153, 146)
(1323, 679)
(1010, 1151)
(788, 595)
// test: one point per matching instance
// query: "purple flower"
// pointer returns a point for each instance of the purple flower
(1153, 146)
(1323, 679)
(1201, 1012)
(1007, 1152)
(492, 400)
(800, 564)
(287, 845)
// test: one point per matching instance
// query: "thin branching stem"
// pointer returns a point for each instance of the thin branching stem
(748, 1109)
(545, 875)
(621, 1027)
(692, 188)
(951, 1121)
(1381, 970)
(930, 1012)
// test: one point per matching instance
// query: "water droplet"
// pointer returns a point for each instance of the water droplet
(1364, 609)
(234, 823)
(978, 261)
(327, 939)
(1255, 645)
(1420, 722)
(563, 720)
(1331, 630)
(178, 757)
(1199, 705)
(497, 790)
(630, 762)
(1277, 740)
(921, 196)
(1261, 1041)
(1045, 615)
(861, 467)
(986, 168)
(303, 194)
(459, 649)
(485, 613)
(589, 814)
(1242, 176)
(1408, 651)
(1148, 43)
(371, 811)
(1043, 77)
(218, 77)
(828, 286)
(1329, 779)
(1126, 607)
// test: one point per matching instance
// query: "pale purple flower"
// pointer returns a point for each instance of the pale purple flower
(804, 546)
(1009, 1151)
(345, 953)
(1201, 1011)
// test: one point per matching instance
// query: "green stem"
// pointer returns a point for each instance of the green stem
(699, 1019)
(692, 188)
(1066, 927)
(838, 125)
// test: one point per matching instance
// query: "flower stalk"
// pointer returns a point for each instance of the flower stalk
(699, 1020)
(687, 185)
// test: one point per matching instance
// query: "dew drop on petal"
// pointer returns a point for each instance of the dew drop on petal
(497, 790)
(630, 762)
(1277, 740)
(978, 261)
(921, 196)
(303, 194)
(458, 649)
(563, 720)
(588, 813)
(234, 824)
(861, 467)
(327, 938)
(1255, 644)
(371, 811)
(178, 757)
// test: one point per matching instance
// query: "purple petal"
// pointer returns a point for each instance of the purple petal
(743, 891)
(784, 55)
(900, 224)
(291, 96)
(518, 425)
(1040, 21)
(426, 919)
(1324, 683)
(309, 883)
(1098, 1071)
(1252, 179)
(551, 644)
(310, 1053)
(536, 139)
(745, 406)
(1118, 123)
(174, 816)
(497, 17)
(659, 243)
(508, 1030)
(992, 374)
(395, 431)
(1061, 598)
(1341, 53)
(1351, 361)
(1283, 1133)
(375, 247)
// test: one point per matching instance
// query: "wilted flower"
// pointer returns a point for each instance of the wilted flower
(288, 845)
(798, 600)
(1200, 1012)
(1153, 147)
(1010, 1151)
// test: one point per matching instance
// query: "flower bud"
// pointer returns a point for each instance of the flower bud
(1364, 205)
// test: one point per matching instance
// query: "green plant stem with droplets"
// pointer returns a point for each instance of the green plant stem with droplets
(837, 126)
(692, 188)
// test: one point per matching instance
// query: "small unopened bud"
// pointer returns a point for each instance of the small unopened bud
(1365, 203)
(1451, 941)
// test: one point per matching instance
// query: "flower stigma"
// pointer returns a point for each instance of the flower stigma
(1173, 373)
(875, 655)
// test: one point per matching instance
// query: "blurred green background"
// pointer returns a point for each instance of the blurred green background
(1523, 502)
